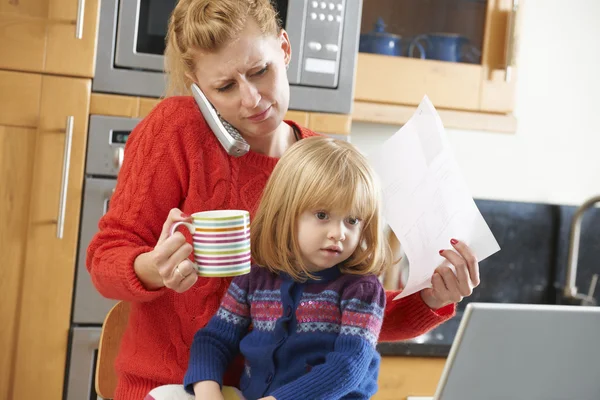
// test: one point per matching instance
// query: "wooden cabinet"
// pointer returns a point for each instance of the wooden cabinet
(49, 36)
(400, 377)
(43, 132)
(468, 49)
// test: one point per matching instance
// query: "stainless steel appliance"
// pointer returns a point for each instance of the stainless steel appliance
(106, 142)
(324, 37)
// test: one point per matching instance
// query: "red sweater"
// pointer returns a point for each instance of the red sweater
(172, 159)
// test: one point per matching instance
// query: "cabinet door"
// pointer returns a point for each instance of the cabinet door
(453, 51)
(49, 36)
(72, 46)
(19, 104)
(47, 283)
(23, 34)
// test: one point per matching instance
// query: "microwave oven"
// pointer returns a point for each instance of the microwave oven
(324, 36)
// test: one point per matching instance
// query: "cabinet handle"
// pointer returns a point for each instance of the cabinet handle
(79, 21)
(511, 40)
(62, 204)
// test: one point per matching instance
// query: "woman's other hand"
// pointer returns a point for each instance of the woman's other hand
(168, 264)
(447, 287)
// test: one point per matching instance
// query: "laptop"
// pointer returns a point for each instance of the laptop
(524, 351)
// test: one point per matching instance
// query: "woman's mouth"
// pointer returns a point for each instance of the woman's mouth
(260, 116)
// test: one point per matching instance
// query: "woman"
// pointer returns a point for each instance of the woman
(237, 53)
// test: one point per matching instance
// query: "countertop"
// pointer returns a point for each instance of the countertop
(435, 343)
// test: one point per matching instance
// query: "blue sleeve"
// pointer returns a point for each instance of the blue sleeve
(354, 349)
(215, 345)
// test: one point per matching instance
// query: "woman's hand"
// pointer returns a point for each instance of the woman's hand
(268, 398)
(207, 390)
(168, 264)
(447, 287)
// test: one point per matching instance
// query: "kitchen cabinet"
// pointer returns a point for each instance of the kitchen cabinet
(400, 377)
(49, 36)
(469, 56)
(42, 144)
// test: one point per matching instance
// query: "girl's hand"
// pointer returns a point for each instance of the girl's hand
(268, 398)
(447, 287)
(168, 264)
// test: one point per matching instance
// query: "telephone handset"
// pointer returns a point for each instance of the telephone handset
(228, 136)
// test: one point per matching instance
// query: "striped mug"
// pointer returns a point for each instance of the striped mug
(221, 242)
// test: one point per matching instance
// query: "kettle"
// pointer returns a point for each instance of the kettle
(379, 41)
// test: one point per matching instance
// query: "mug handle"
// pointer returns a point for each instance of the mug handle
(188, 225)
(470, 53)
(415, 43)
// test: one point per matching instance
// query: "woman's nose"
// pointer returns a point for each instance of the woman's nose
(250, 96)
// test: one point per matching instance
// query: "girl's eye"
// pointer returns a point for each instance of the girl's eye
(321, 215)
(225, 88)
(353, 221)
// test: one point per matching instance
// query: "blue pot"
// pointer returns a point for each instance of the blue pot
(379, 41)
(445, 47)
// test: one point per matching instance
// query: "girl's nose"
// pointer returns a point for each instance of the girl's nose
(337, 232)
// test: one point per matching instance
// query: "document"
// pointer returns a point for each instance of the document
(426, 199)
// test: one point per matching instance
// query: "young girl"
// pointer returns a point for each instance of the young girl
(313, 298)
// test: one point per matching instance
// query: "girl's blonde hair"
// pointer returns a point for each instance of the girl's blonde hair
(319, 173)
(205, 25)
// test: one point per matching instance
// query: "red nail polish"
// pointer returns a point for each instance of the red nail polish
(441, 251)
(453, 241)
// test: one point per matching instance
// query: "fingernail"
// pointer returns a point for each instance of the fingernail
(441, 251)
(453, 241)
(184, 215)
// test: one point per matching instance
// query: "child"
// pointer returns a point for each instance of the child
(313, 298)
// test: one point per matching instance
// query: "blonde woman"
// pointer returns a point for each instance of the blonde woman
(314, 298)
(236, 51)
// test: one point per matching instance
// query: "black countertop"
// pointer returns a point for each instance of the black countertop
(435, 343)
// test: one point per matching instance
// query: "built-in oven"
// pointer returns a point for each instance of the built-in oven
(106, 142)
(324, 37)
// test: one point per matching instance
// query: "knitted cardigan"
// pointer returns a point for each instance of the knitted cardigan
(314, 340)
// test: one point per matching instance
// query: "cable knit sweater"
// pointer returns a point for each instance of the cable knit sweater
(172, 159)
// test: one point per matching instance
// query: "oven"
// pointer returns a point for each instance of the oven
(106, 143)
(324, 37)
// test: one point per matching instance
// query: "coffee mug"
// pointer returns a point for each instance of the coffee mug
(221, 242)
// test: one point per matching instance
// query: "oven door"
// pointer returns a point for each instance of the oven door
(82, 364)
(90, 307)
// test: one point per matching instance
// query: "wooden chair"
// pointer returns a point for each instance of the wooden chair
(112, 332)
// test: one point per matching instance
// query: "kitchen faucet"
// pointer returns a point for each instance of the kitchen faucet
(570, 289)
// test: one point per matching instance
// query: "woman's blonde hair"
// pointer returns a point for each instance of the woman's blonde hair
(319, 173)
(205, 25)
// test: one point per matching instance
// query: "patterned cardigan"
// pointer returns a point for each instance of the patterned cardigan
(311, 340)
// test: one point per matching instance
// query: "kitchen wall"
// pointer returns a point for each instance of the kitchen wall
(554, 157)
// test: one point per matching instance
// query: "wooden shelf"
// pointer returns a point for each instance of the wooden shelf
(398, 115)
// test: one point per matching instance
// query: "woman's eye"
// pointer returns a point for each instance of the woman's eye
(262, 71)
(225, 88)
(321, 215)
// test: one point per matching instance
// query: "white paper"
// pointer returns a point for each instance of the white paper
(426, 199)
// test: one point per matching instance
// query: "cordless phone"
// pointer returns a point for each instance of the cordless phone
(228, 136)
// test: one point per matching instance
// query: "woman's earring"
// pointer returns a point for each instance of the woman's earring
(287, 66)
